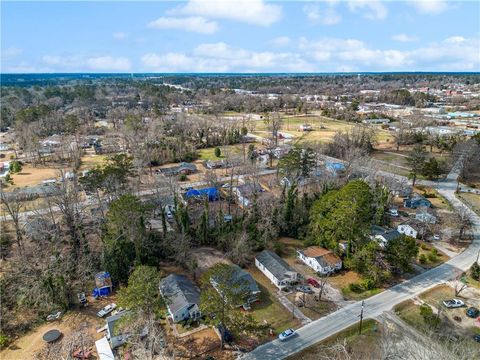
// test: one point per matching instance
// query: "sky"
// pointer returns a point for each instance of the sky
(239, 36)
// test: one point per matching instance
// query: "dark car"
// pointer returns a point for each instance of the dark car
(304, 289)
(476, 338)
(313, 282)
(473, 312)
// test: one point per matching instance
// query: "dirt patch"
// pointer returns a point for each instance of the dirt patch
(32, 343)
(206, 257)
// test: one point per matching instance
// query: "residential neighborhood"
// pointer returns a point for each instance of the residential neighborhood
(223, 180)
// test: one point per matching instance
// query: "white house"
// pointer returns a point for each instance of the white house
(407, 229)
(382, 235)
(319, 259)
(276, 269)
(182, 297)
(426, 217)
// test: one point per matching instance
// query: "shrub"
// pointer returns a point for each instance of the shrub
(218, 152)
(424, 246)
(475, 271)
(422, 259)
(355, 287)
(429, 317)
(182, 177)
(432, 256)
(4, 341)
(369, 284)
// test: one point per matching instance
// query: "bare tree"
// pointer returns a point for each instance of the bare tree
(14, 207)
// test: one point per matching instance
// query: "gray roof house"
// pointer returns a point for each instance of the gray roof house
(382, 235)
(246, 280)
(182, 297)
(113, 336)
(276, 269)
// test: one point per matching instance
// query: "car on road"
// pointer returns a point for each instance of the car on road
(304, 289)
(476, 338)
(453, 303)
(287, 334)
(106, 310)
(313, 282)
(473, 312)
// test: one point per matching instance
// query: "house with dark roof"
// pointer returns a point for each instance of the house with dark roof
(416, 201)
(243, 281)
(276, 269)
(382, 235)
(181, 296)
(182, 168)
(320, 259)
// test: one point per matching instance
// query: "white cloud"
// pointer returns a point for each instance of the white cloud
(455, 39)
(372, 9)
(196, 24)
(404, 38)
(327, 16)
(119, 35)
(255, 12)
(108, 63)
(433, 7)
(281, 41)
(11, 52)
(221, 57)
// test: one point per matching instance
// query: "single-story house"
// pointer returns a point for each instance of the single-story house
(245, 193)
(376, 121)
(320, 259)
(113, 336)
(426, 217)
(276, 269)
(382, 235)
(181, 296)
(416, 201)
(247, 282)
(409, 229)
(182, 168)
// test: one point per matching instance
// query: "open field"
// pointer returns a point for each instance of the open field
(363, 346)
(226, 151)
(30, 176)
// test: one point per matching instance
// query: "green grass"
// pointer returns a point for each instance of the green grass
(364, 346)
(472, 282)
(410, 313)
(352, 295)
(209, 153)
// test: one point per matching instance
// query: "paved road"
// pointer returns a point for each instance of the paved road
(324, 327)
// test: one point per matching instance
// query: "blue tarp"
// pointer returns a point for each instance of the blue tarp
(335, 166)
(101, 292)
(211, 193)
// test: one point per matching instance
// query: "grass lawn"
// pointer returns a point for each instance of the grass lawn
(437, 294)
(473, 200)
(364, 346)
(437, 200)
(425, 249)
(410, 313)
(268, 309)
(352, 295)
(472, 282)
(233, 150)
(342, 281)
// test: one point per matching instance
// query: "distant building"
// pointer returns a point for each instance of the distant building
(243, 281)
(181, 296)
(424, 216)
(408, 229)
(182, 168)
(416, 201)
(276, 269)
(382, 235)
(320, 259)
(376, 121)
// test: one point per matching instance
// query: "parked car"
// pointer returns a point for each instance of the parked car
(54, 316)
(106, 310)
(169, 212)
(287, 334)
(304, 289)
(473, 312)
(453, 303)
(313, 282)
(436, 237)
(476, 338)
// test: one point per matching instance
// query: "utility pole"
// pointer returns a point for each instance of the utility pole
(361, 318)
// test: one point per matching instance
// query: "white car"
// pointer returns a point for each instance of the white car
(436, 237)
(287, 334)
(106, 310)
(453, 303)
